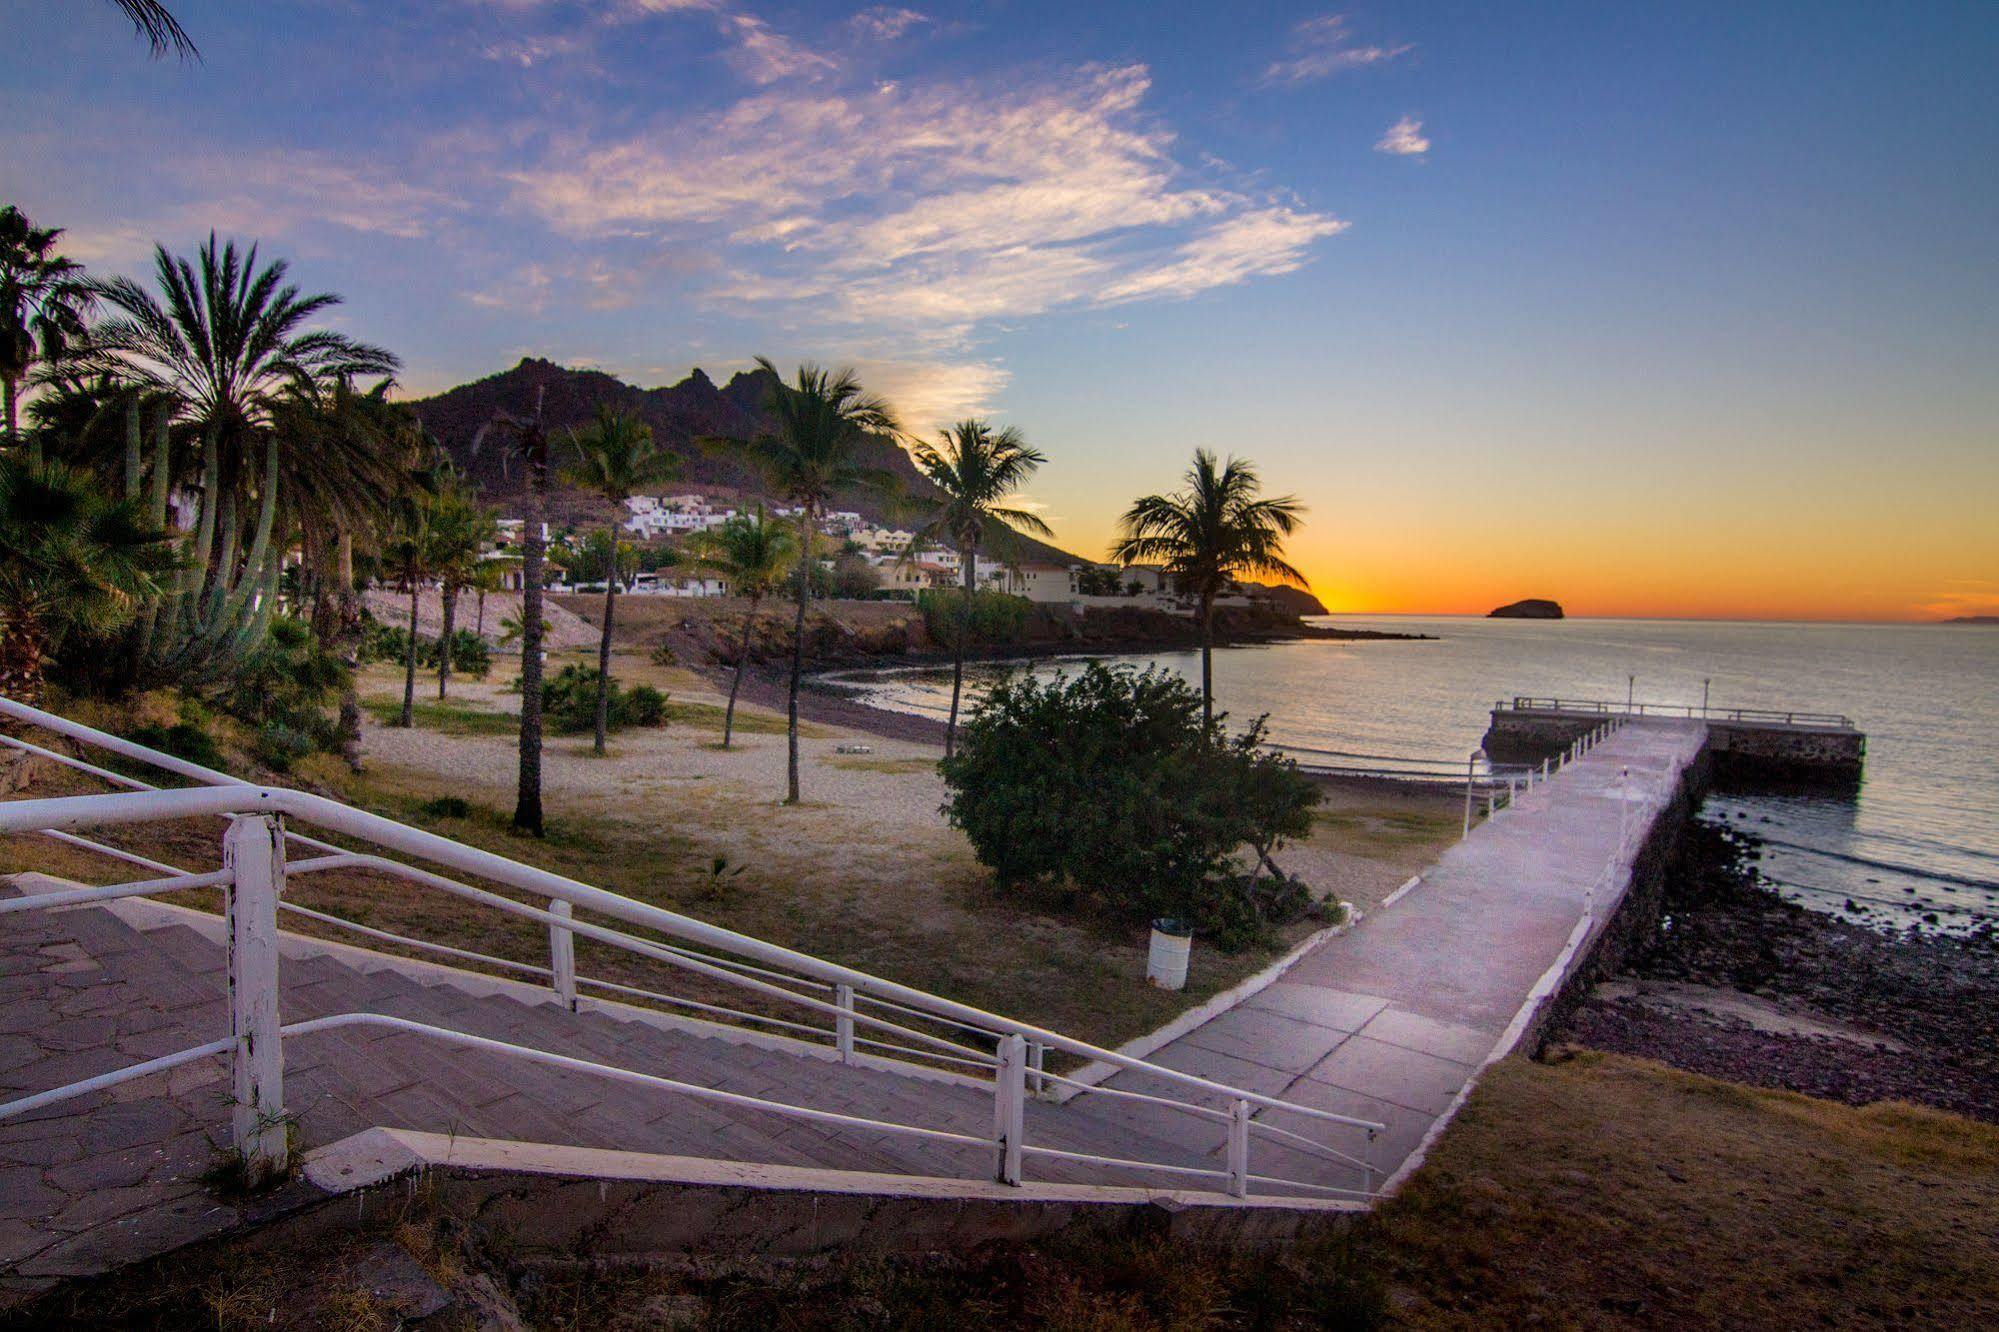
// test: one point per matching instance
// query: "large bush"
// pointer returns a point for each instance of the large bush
(286, 688)
(993, 617)
(1107, 788)
(569, 702)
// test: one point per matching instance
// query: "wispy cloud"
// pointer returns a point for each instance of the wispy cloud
(1962, 596)
(1262, 243)
(928, 395)
(1319, 47)
(764, 55)
(885, 23)
(1404, 139)
(932, 209)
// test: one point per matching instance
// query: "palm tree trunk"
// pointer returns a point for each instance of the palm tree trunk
(527, 800)
(449, 591)
(23, 653)
(134, 460)
(148, 641)
(348, 648)
(970, 560)
(409, 664)
(481, 627)
(604, 648)
(736, 685)
(798, 646)
(1208, 658)
(10, 389)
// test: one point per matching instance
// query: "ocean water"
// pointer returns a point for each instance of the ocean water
(1917, 844)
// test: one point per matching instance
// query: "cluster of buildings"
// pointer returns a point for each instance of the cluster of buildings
(888, 553)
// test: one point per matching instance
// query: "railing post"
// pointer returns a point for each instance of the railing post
(843, 1022)
(562, 952)
(1037, 1060)
(254, 851)
(1009, 1108)
(1239, 1149)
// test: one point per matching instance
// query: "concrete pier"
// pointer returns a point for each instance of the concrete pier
(1745, 743)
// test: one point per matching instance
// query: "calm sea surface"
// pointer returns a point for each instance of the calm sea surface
(1920, 838)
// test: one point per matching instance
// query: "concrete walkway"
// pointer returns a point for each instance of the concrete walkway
(1392, 1020)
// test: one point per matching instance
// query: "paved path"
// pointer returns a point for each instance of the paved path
(1391, 1020)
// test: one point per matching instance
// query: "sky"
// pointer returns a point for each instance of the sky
(1674, 310)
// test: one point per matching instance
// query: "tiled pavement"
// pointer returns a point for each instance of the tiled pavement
(1392, 1019)
(1387, 1022)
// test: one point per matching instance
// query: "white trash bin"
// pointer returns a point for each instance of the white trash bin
(1166, 960)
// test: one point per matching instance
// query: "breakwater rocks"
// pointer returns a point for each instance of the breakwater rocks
(1742, 985)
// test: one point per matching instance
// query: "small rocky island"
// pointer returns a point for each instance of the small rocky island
(1533, 608)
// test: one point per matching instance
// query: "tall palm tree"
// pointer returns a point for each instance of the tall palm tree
(461, 529)
(71, 561)
(161, 30)
(44, 299)
(1218, 526)
(527, 439)
(616, 456)
(823, 422)
(976, 468)
(754, 554)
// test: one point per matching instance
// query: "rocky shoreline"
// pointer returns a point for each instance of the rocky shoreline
(1741, 985)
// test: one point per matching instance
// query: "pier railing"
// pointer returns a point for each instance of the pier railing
(1698, 711)
(831, 1004)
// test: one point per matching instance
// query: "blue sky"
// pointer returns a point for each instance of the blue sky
(1523, 300)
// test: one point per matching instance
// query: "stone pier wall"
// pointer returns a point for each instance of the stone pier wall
(1741, 750)
(1636, 918)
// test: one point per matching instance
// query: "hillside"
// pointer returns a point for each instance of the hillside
(678, 414)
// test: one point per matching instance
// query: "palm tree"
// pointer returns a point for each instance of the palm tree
(410, 557)
(527, 438)
(824, 420)
(460, 532)
(71, 561)
(754, 554)
(616, 456)
(43, 300)
(976, 469)
(487, 576)
(1215, 528)
(163, 33)
(230, 342)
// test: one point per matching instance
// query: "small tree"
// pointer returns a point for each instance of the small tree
(616, 455)
(1110, 786)
(754, 555)
(43, 299)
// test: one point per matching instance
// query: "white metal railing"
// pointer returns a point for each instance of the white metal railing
(1698, 711)
(1502, 787)
(254, 876)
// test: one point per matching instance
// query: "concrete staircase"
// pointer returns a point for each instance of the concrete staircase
(113, 1176)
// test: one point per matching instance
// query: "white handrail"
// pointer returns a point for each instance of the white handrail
(1022, 1045)
(155, 806)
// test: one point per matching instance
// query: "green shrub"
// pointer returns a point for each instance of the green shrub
(385, 642)
(569, 702)
(993, 617)
(279, 745)
(1107, 787)
(184, 740)
(445, 807)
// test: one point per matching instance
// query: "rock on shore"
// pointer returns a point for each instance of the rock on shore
(1742, 985)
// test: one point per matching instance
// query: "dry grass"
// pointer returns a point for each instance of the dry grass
(1600, 1191)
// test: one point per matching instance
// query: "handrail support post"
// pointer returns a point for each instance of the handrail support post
(843, 1022)
(1239, 1149)
(562, 953)
(1009, 1108)
(254, 851)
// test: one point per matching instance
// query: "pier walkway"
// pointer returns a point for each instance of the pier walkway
(1392, 1020)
